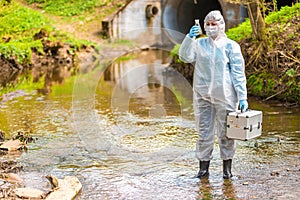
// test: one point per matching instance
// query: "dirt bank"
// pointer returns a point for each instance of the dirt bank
(273, 66)
(9, 70)
(56, 62)
(59, 60)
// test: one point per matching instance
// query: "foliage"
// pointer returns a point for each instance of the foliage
(243, 30)
(277, 56)
(67, 7)
(174, 53)
(284, 15)
(175, 50)
(16, 19)
(279, 59)
(263, 82)
(287, 88)
(69, 39)
(20, 49)
(17, 27)
(290, 79)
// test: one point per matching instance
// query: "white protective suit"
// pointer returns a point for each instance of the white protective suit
(219, 83)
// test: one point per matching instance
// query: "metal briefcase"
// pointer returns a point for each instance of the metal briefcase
(244, 126)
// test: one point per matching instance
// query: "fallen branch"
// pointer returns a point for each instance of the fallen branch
(274, 95)
(290, 57)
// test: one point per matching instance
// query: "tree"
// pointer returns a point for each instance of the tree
(256, 18)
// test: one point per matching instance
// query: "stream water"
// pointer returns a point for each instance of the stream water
(127, 132)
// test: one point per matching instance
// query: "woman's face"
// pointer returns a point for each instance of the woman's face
(211, 23)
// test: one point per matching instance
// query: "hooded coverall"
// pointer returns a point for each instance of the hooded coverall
(219, 83)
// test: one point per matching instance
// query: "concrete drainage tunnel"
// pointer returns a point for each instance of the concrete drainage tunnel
(172, 19)
(178, 16)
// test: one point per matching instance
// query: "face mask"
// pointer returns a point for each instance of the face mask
(211, 31)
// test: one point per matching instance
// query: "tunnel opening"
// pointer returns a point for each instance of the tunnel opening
(180, 15)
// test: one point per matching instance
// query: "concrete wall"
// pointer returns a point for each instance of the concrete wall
(168, 21)
(139, 20)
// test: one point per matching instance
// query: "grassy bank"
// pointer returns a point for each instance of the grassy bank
(19, 27)
(80, 18)
(74, 8)
(23, 21)
(273, 65)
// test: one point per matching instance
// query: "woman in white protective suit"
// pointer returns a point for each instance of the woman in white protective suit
(219, 84)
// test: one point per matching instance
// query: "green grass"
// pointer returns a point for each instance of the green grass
(17, 28)
(74, 43)
(19, 24)
(262, 82)
(243, 30)
(16, 19)
(283, 17)
(67, 7)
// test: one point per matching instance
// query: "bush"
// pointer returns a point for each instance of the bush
(240, 32)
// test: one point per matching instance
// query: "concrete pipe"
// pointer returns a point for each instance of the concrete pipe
(179, 16)
(151, 11)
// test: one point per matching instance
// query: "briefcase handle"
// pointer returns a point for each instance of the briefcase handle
(243, 109)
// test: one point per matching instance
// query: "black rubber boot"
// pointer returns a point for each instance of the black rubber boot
(203, 172)
(227, 169)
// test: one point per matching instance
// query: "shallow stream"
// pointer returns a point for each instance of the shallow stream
(127, 132)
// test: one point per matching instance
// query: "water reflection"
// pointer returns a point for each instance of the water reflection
(54, 67)
(228, 190)
(216, 188)
(148, 141)
(146, 81)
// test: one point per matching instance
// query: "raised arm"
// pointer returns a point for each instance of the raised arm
(187, 51)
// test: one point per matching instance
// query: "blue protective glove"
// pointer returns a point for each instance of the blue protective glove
(243, 105)
(194, 31)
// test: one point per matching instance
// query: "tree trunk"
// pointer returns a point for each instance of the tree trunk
(257, 20)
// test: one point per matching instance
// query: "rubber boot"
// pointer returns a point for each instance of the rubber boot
(203, 172)
(227, 169)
